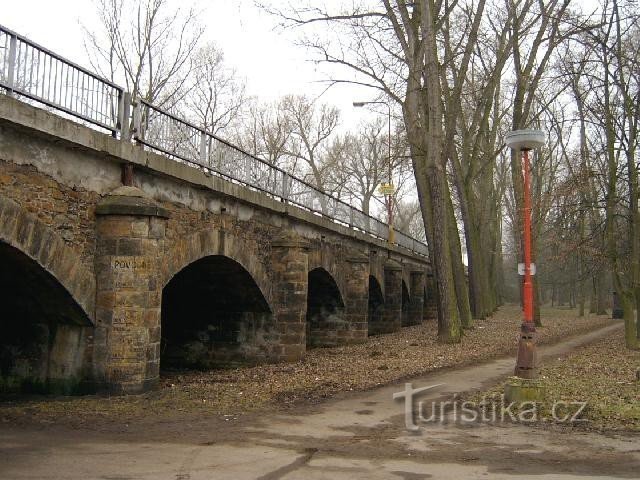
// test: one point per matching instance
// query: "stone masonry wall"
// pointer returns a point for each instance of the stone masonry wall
(69, 211)
(60, 172)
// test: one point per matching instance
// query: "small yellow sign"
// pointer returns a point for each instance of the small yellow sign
(386, 189)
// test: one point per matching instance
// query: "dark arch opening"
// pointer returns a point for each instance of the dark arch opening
(431, 299)
(425, 304)
(213, 315)
(43, 331)
(376, 307)
(406, 305)
(325, 310)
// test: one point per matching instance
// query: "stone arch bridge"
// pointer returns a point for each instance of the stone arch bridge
(103, 284)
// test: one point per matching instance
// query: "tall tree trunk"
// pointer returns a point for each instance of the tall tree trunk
(462, 289)
(601, 294)
(449, 331)
(434, 214)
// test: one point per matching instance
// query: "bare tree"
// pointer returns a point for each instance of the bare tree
(618, 115)
(365, 163)
(408, 219)
(214, 95)
(147, 45)
(394, 49)
(264, 130)
(312, 126)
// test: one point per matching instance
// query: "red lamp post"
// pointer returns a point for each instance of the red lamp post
(528, 284)
(526, 364)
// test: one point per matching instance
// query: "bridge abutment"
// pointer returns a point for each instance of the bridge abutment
(130, 246)
(392, 316)
(357, 298)
(290, 265)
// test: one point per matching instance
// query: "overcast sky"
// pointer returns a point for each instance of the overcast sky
(269, 61)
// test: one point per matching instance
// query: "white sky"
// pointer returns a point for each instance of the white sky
(269, 61)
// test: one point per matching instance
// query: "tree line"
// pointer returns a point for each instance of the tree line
(464, 73)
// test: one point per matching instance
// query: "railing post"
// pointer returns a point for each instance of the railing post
(351, 216)
(138, 134)
(124, 115)
(12, 64)
(203, 148)
(285, 186)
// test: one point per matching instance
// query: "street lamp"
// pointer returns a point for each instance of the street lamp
(523, 141)
(388, 191)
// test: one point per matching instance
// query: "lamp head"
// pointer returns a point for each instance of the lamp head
(359, 104)
(524, 139)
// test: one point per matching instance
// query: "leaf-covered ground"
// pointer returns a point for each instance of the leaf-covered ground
(602, 374)
(324, 372)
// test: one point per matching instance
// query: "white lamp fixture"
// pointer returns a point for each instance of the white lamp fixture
(524, 139)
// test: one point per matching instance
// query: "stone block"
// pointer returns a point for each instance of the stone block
(155, 334)
(37, 234)
(24, 229)
(9, 218)
(105, 300)
(128, 317)
(157, 227)
(130, 247)
(140, 228)
(125, 298)
(114, 227)
(48, 249)
(152, 318)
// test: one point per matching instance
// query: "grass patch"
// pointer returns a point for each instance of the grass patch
(602, 374)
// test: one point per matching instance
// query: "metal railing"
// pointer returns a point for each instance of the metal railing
(36, 73)
(41, 75)
(174, 136)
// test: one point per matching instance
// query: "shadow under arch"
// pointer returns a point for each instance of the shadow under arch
(26, 233)
(406, 305)
(325, 309)
(425, 304)
(43, 330)
(375, 315)
(214, 315)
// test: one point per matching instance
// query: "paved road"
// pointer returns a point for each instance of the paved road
(359, 436)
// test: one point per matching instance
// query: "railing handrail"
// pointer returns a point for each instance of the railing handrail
(264, 162)
(24, 39)
(120, 123)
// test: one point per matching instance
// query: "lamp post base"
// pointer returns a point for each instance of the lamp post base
(527, 362)
(523, 390)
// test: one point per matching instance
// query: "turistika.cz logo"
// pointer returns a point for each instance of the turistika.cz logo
(488, 410)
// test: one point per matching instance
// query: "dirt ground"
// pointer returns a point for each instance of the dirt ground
(602, 375)
(324, 373)
(354, 435)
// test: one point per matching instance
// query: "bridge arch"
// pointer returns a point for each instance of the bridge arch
(213, 315)
(215, 305)
(324, 256)
(210, 242)
(47, 314)
(26, 233)
(375, 311)
(325, 309)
